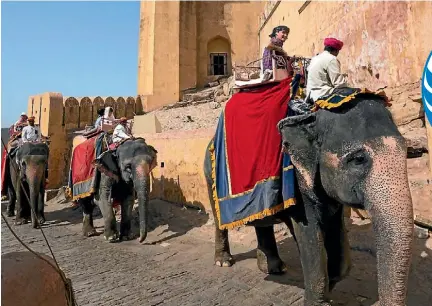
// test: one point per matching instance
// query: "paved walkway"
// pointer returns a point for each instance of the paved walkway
(176, 267)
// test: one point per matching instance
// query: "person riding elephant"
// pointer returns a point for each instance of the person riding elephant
(121, 131)
(121, 173)
(324, 72)
(28, 178)
(91, 131)
(21, 123)
(277, 39)
(98, 122)
(108, 116)
(350, 156)
(30, 133)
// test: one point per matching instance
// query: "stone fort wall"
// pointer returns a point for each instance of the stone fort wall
(59, 117)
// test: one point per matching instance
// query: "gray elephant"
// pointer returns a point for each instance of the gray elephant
(28, 169)
(121, 175)
(352, 155)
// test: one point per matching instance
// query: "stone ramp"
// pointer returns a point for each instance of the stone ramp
(175, 266)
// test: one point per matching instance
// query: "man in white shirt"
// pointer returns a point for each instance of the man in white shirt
(324, 72)
(121, 131)
(29, 132)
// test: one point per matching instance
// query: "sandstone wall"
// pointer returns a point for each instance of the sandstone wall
(181, 180)
(174, 44)
(58, 117)
(386, 43)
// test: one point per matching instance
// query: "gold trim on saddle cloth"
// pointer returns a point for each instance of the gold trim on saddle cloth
(265, 213)
(327, 105)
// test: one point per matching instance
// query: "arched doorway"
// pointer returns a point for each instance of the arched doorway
(219, 56)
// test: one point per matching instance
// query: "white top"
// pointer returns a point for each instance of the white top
(30, 134)
(120, 133)
(107, 119)
(324, 75)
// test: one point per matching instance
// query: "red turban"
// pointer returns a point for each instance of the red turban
(333, 42)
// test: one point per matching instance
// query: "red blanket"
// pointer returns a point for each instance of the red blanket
(82, 170)
(253, 143)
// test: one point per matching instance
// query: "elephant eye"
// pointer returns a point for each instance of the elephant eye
(357, 158)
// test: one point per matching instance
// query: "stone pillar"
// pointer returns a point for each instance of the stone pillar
(159, 54)
(48, 112)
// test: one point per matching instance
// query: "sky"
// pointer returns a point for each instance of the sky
(76, 48)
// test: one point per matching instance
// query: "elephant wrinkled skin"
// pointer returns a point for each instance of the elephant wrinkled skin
(353, 155)
(121, 176)
(30, 174)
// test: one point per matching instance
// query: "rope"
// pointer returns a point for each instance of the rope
(67, 282)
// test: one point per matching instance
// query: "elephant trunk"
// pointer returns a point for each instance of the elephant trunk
(34, 173)
(388, 200)
(142, 187)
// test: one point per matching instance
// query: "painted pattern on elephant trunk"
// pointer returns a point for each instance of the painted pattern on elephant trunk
(388, 199)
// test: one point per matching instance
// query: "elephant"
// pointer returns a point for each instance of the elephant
(349, 156)
(28, 170)
(121, 175)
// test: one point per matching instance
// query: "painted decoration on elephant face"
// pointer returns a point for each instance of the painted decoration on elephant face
(427, 88)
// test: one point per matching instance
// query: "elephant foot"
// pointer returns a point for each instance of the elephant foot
(89, 231)
(224, 259)
(270, 265)
(41, 220)
(112, 237)
(127, 236)
(10, 213)
(21, 221)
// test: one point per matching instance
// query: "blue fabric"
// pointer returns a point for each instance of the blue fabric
(220, 156)
(295, 84)
(267, 195)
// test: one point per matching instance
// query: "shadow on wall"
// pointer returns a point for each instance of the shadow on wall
(170, 190)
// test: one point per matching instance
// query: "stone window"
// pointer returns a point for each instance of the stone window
(218, 64)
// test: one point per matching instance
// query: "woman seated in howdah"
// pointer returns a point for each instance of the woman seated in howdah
(277, 39)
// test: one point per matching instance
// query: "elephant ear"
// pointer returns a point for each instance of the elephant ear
(299, 139)
(107, 164)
